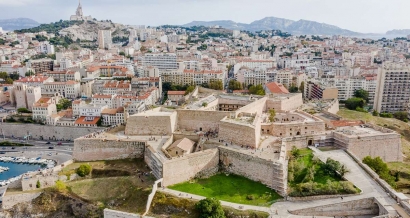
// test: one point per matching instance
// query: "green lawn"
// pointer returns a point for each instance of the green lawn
(232, 188)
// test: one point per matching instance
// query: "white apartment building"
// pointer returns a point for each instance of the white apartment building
(193, 77)
(42, 108)
(162, 61)
(112, 117)
(45, 48)
(283, 77)
(69, 89)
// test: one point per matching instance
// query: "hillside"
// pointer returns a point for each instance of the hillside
(300, 27)
(17, 23)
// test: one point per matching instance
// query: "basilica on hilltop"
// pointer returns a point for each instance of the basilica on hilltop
(79, 14)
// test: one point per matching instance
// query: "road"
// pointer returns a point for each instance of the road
(38, 146)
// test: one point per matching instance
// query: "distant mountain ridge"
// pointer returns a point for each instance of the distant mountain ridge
(300, 27)
(18, 23)
(398, 32)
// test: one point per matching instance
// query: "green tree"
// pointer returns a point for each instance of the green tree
(235, 85)
(84, 170)
(363, 94)
(189, 89)
(375, 113)
(4, 75)
(216, 85)
(29, 73)
(293, 89)
(64, 104)
(122, 53)
(302, 87)
(256, 90)
(353, 103)
(272, 114)
(210, 208)
(38, 184)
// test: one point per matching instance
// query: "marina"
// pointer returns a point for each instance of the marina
(13, 168)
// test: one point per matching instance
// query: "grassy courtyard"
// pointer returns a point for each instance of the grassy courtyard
(231, 188)
(308, 176)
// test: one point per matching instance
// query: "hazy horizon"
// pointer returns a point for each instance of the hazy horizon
(362, 16)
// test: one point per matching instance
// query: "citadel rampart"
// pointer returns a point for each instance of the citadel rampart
(151, 123)
(92, 149)
(273, 174)
(199, 164)
(200, 120)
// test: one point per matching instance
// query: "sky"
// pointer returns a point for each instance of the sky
(366, 16)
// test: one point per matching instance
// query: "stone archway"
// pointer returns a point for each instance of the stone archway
(310, 142)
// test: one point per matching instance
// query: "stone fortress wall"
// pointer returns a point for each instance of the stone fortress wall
(272, 174)
(45, 131)
(93, 149)
(198, 164)
(155, 123)
(191, 120)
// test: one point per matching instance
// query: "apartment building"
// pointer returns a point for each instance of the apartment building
(393, 88)
(112, 117)
(41, 65)
(64, 76)
(162, 61)
(182, 77)
(42, 108)
(69, 89)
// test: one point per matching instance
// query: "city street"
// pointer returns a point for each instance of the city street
(38, 146)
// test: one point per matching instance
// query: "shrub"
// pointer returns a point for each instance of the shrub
(210, 208)
(381, 168)
(60, 186)
(38, 184)
(83, 170)
(361, 110)
(295, 152)
(386, 115)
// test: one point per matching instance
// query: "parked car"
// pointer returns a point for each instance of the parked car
(59, 143)
(48, 143)
(13, 148)
(51, 147)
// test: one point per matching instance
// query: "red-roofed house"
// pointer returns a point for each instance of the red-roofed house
(275, 88)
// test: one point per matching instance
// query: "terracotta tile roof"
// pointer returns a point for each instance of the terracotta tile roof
(83, 121)
(109, 111)
(276, 88)
(101, 96)
(341, 123)
(176, 92)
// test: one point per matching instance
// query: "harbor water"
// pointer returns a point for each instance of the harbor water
(17, 169)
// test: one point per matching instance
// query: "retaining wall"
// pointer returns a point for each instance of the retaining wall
(118, 214)
(360, 207)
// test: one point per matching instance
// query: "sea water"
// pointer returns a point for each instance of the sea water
(17, 169)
